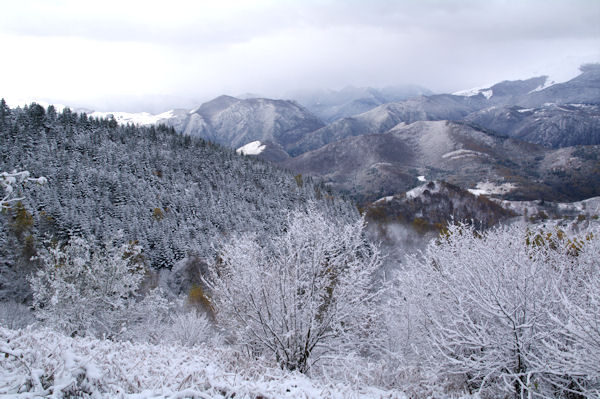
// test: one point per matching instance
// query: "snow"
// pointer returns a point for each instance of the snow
(20, 102)
(421, 178)
(475, 91)
(384, 199)
(252, 148)
(487, 93)
(544, 85)
(457, 154)
(37, 362)
(525, 110)
(487, 188)
(589, 207)
(418, 191)
(469, 92)
(140, 118)
(435, 140)
(381, 164)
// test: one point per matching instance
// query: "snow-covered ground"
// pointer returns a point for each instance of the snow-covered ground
(20, 102)
(589, 207)
(253, 148)
(487, 188)
(418, 191)
(470, 92)
(457, 154)
(384, 199)
(37, 362)
(140, 118)
(549, 82)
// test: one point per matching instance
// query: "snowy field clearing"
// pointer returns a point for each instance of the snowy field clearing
(43, 363)
(253, 148)
(488, 188)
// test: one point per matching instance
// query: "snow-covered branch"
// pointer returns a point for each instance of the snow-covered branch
(294, 296)
(512, 309)
(8, 181)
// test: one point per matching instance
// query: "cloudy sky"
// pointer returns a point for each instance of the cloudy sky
(153, 55)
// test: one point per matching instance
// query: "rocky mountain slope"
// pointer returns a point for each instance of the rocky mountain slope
(372, 166)
(234, 122)
(583, 89)
(432, 205)
(331, 105)
(559, 127)
(384, 117)
(550, 125)
(469, 151)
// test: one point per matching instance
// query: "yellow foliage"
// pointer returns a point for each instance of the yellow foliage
(134, 256)
(299, 180)
(552, 240)
(197, 297)
(23, 220)
(158, 214)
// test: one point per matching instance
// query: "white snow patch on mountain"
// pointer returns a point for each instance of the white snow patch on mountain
(475, 91)
(20, 102)
(421, 178)
(384, 199)
(463, 153)
(469, 92)
(381, 164)
(418, 191)
(487, 188)
(544, 85)
(253, 148)
(487, 93)
(140, 118)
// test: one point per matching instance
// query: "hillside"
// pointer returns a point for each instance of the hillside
(331, 105)
(175, 195)
(434, 204)
(551, 125)
(385, 117)
(84, 367)
(372, 166)
(234, 122)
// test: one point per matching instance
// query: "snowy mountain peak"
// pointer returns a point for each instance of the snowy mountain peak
(475, 91)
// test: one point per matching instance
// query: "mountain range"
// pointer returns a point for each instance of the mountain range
(371, 166)
(331, 105)
(514, 133)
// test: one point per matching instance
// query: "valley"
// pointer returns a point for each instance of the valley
(254, 224)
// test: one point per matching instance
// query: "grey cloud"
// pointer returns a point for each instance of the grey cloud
(490, 19)
(201, 48)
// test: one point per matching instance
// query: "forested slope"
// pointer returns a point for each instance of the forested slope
(176, 195)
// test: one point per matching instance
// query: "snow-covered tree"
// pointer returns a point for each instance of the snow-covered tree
(85, 290)
(571, 354)
(8, 180)
(483, 309)
(17, 245)
(308, 291)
